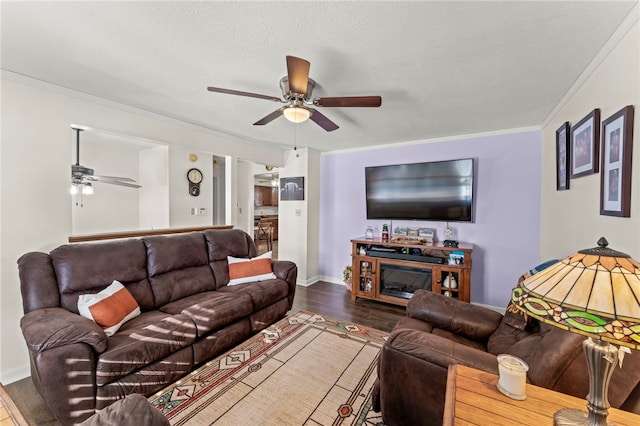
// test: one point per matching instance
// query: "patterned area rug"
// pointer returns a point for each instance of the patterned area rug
(304, 370)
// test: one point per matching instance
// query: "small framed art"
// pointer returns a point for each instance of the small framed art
(292, 188)
(562, 157)
(617, 150)
(585, 138)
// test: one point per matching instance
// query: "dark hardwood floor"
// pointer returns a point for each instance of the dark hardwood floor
(323, 298)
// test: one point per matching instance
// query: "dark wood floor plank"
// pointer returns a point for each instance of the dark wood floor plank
(323, 298)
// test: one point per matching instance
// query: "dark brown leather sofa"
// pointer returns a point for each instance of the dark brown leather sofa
(439, 331)
(189, 314)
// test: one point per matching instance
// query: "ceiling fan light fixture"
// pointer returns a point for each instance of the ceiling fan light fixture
(87, 189)
(296, 114)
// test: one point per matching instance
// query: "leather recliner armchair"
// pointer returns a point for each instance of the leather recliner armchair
(439, 331)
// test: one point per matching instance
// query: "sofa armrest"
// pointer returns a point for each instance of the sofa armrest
(473, 322)
(55, 327)
(287, 271)
(283, 269)
(412, 373)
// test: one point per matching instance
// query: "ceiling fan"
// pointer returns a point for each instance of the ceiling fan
(83, 176)
(297, 89)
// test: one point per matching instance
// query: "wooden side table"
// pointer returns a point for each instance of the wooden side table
(473, 399)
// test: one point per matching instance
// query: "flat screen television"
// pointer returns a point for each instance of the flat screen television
(436, 191)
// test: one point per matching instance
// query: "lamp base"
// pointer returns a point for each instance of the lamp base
(574, 417)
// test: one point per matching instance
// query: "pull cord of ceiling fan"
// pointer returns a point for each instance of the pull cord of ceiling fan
(295, 139)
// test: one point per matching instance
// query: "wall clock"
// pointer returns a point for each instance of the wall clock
(194, 176)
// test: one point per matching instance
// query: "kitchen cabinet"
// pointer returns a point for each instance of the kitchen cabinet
(265, 196)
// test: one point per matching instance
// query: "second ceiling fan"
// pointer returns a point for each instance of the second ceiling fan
(297, 89)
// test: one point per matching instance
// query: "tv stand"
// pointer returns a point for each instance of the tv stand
(391, 271)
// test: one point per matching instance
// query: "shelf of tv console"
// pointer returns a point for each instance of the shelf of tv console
(368, 265)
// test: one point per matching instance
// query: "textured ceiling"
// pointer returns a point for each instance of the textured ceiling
(442, 68)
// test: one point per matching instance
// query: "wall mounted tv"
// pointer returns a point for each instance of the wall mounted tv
(436, 191)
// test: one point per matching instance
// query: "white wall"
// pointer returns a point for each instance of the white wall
(244, 200)
(571, 219)
(35, 179)
(154, 194)
(219, 177)
(181, 202)
(298, 220)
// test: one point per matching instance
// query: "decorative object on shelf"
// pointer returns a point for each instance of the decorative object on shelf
(385, 233)
(562, 157)
(448, 233)
(560, 295)
(453, 284)
(513, 376)
(194, 176)
(449, 237)
(584, 151)
(456, 258)
(346, 275)
(368, 234)
(617, 153)
(445, 283)
(406, 234)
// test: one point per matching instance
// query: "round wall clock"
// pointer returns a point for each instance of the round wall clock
(194, 176)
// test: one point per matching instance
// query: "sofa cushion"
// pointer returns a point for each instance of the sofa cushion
(227, 242)
(178, 266)
(211, 310)
(143, 340)
(146, 380)
(109, 308)
(263, 293)
(244, 270)
(457, 338)
(90, 267)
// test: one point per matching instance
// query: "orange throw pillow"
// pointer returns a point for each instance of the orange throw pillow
(242, 270)
(109, 308)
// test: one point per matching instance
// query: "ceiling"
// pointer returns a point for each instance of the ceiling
(442, 68)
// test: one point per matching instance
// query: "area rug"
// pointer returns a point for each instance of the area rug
(304, 370)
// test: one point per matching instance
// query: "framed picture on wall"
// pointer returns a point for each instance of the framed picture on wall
(585, 138)
(617, 150)
(292, 188)
(562, 157)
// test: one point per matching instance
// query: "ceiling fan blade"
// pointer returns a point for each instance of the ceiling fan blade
(322, 121)
(349, 101)
(269, 118)
(240, 93)
(127, 184)
(298, 73)
(111, 178)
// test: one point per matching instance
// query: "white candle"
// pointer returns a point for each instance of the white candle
(513, 376)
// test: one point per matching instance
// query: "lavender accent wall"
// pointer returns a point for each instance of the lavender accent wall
(506, 230)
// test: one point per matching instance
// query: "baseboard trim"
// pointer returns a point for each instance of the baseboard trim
(15, 374)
